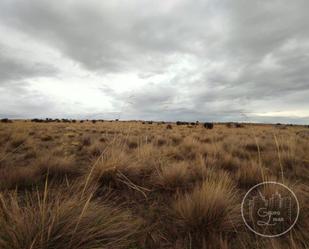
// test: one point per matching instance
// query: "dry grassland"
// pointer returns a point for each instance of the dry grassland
(142, 186)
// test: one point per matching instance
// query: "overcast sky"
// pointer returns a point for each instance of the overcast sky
(227, 60)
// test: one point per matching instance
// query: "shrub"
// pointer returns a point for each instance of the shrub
(169, 127)
(181, 123)
(238, 125)
(6, 120)
(48, 120)
(229, 125)
(37, 120)
(208, 125)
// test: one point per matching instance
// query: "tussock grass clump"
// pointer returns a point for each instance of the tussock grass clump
(102, 139)
(189, 148)
(95, 149)
(17, 141)
(85, 141)
(210, 208)
(161, 141)
(147, 158)
(106, 169)
(253, 147)
(132, 144)
(300, 231)
(230, 163)
(20, 177)
(28, 176)
(173, 176)
(57, 167)
(241, 154)
(250, 173)
(5, 138)
(31, 154)
(46, 138)
(57, 221)
(117, 170)
(176, 139)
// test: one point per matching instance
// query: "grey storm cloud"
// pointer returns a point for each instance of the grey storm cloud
(246, 56)
(12, 69)
(110, 36)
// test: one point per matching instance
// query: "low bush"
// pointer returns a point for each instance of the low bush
(208, 125)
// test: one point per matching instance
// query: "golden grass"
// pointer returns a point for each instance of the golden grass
(250, 174)
(171, 177)
(211, 207)
(61, 220)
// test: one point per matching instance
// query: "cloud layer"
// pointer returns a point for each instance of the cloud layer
(191, 60)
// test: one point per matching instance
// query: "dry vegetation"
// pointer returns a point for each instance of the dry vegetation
(143, 186)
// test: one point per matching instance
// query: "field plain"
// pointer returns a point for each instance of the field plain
(144, 186)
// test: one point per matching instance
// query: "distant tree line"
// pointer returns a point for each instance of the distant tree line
(207, 125)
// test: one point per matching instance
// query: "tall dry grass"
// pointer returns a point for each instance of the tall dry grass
(211, 207)
(63, 219)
